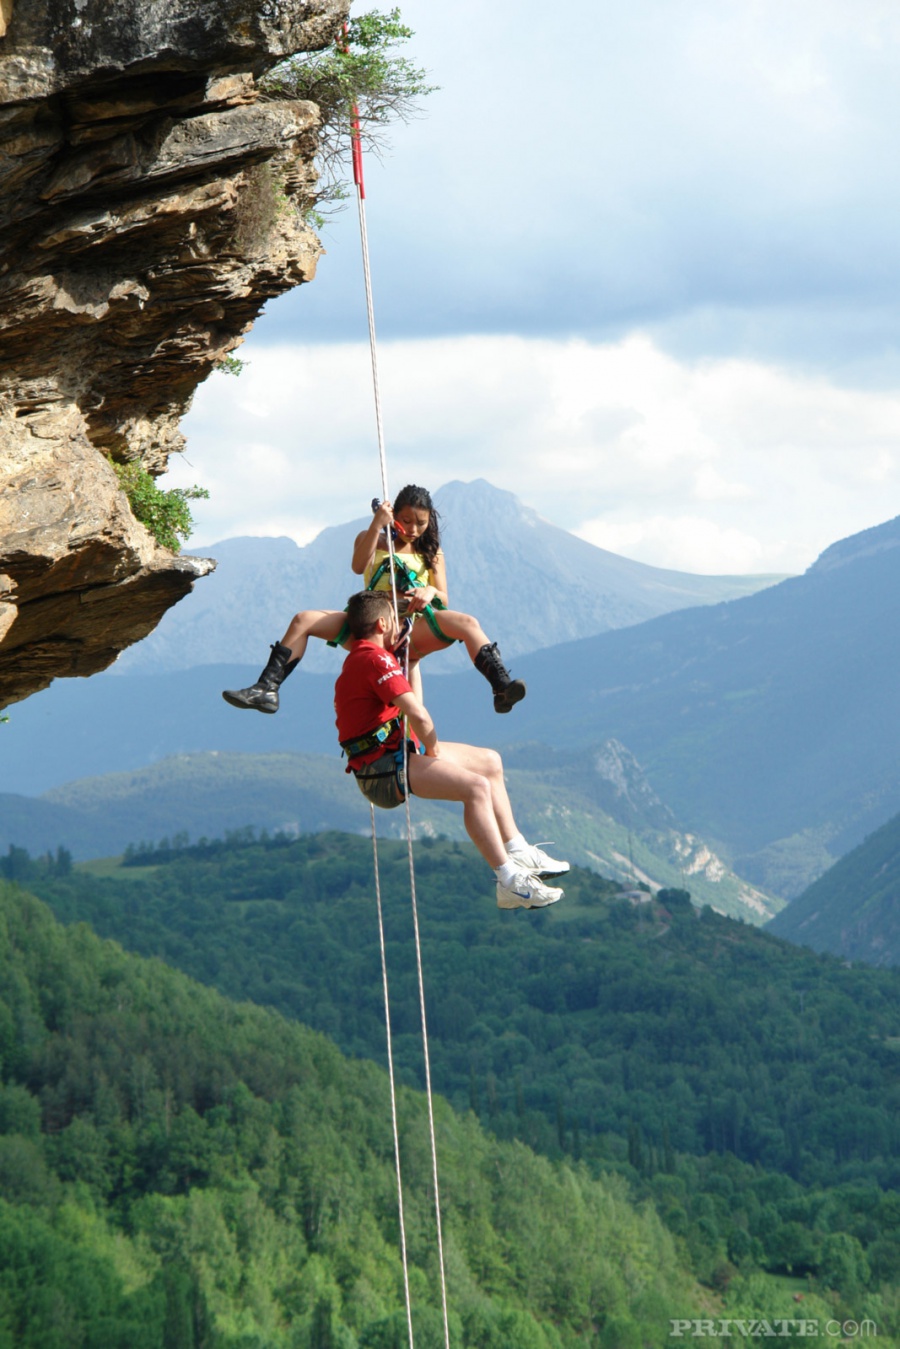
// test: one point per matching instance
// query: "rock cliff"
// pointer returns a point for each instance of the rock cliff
(151, 202)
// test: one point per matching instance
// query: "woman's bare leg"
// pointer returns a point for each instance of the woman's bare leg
(461, 627)
(324, 623)
(263, 695)
(484, 655)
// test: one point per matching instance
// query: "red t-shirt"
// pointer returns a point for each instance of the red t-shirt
(364, 695)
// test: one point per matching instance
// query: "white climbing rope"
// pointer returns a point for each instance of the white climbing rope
(385, 496)
(434, 1161)
(356, 145)
(390, 1058)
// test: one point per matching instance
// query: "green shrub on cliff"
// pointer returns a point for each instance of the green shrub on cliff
(165, 513)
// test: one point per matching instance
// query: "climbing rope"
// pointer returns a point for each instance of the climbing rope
(390, 1058)
(356, 145)
(434, 1164)
(359, 181)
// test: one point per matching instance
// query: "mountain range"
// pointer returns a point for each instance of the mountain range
(767, 723)
(531, 584)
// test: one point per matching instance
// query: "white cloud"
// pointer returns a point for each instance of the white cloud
(704, 186)
(718, 170)
(687, 543)
(707, 465)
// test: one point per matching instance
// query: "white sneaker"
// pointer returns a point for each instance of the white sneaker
(532, 858)
(525, 891)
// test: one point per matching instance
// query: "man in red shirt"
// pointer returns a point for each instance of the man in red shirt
(371, 697)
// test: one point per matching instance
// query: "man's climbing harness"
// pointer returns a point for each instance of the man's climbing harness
(399, 771)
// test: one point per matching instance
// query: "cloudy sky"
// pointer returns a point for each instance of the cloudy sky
(638, 265)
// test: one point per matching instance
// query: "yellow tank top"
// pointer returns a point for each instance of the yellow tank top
(413, 561)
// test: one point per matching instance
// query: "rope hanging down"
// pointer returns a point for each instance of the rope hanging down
(390, 1058)
(356, 145)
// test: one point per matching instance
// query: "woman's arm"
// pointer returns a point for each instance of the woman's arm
(366, 542)
(439, 580)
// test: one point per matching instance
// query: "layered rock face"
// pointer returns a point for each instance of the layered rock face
(150, 203)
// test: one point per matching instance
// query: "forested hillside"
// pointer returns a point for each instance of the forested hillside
(598, 808)
(854, 909)
(748, 1087)
(179, 1171)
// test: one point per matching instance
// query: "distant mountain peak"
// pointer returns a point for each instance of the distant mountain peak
(483, 501)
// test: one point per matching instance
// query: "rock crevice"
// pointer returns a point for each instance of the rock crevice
(150, 204)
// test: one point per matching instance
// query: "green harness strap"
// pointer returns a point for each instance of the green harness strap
(406, 580)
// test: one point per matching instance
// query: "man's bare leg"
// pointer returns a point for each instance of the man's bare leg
(488, 763)
(452, 776)
(465, 771)
(446, 779)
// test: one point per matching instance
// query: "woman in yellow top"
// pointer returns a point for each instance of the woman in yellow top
(421, 580)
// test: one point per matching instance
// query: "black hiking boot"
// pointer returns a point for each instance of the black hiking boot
(263, 695)
(507, 691)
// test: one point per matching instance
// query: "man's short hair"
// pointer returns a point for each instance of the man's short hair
(365, 609)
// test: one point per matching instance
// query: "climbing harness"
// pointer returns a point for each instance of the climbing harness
(404, 577)
(353, 748)
(403, 756)
(406, 580)
(383, 782)
(403, 580)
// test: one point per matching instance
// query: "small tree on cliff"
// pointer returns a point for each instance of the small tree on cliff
(360, 72)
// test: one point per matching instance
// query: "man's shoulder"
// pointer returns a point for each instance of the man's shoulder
(371, 651)
(373, 656)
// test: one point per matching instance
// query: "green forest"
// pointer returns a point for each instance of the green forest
(740, 1091)
(178, 1171)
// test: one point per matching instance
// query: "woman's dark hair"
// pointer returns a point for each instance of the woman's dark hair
(429, 543)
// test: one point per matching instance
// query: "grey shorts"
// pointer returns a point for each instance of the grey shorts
(383, 782)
